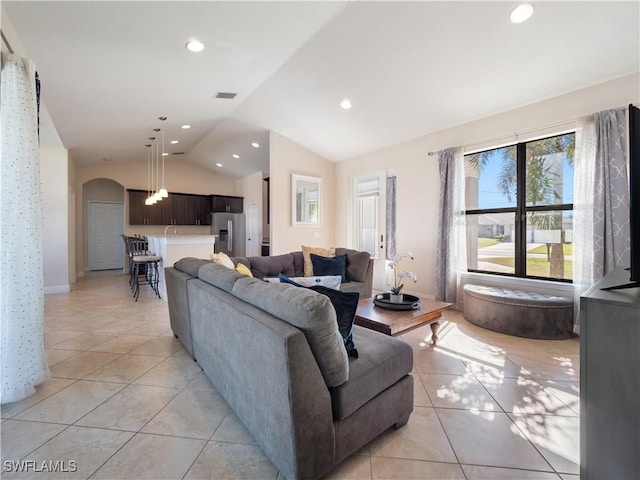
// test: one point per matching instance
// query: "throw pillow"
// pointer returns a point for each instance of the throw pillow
(329, 266)
(307, 251)
(223, 259)
(345, 304)
(329, 281)
(243, 269)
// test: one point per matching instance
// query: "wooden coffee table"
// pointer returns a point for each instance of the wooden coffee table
(394, 322)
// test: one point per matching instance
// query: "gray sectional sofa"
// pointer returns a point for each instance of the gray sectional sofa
(273, 351)
(359, 271)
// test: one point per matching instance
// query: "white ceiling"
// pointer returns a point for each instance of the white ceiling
(109, 69)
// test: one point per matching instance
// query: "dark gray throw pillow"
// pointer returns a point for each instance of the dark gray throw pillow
(345, 305)
(329, 266)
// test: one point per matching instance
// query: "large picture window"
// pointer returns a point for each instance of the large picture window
(519, 209)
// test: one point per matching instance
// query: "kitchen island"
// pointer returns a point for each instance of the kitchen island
(174, 247)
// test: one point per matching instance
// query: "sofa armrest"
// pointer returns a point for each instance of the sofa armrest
(368, 280)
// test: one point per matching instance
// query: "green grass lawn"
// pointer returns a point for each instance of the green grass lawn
(486, 242)
(537, 267)
(567, 248)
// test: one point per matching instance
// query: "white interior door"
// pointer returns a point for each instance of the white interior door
(368, 213)
(253, 230)
(106, 226)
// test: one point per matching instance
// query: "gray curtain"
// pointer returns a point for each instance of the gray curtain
(601, 201)
(391, 217)
(611, 194)
(446, 283)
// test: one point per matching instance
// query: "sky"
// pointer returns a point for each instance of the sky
(490, 195)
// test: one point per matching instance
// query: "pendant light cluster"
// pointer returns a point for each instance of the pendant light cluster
(155, 192)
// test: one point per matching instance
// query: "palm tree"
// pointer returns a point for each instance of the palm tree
(543, 185)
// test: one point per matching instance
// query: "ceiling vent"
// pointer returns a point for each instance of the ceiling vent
(178, 153)
(227, 95)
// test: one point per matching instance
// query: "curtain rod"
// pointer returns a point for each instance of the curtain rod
(6, 42)
(516, 134)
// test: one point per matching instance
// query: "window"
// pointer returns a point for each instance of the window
(519, 209)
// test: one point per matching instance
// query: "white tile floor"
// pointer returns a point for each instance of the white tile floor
(126, 401)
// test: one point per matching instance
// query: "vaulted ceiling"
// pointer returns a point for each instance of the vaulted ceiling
(110, 69)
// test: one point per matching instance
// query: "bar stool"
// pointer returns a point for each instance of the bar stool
(143, 264)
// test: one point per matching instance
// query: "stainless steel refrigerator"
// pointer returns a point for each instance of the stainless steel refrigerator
(230, 229)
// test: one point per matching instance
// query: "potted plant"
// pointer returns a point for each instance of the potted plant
(395, 295)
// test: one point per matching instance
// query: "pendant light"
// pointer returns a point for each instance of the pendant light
(163, 191)
(157, 195)
(148, 200)
(153, 199)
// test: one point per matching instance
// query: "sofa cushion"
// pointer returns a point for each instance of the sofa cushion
(329, 266)
(310, 312)
(262, 267)
(382, 361)
(190, 265)
(298, 263)
(330, 281)
(357, 263)
(345, 305)
(306, 253)
(219, 276)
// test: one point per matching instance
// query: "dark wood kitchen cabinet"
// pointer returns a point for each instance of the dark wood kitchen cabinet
(141, 214)
(177, 209)
(191, 209)
(226, 203)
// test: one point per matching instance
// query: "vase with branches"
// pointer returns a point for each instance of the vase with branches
(398, 276)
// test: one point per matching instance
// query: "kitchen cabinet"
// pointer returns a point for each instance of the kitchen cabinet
(226, 203)
(177, 209)
(191, 209)
(141, 214)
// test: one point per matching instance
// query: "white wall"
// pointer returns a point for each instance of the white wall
(53, 177)
(418, 175)
(287, 158)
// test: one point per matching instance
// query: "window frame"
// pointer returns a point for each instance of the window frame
(520, 212)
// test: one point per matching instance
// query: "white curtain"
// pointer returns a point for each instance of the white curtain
(451, 260)
(22, 356)
(601, 201)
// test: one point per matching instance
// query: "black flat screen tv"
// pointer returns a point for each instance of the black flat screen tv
(634, 199)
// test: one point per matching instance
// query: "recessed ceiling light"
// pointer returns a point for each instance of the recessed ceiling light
(235, 155)
(165, 154)
(194, 46)
(218, 164)
(521, 13)
(173, 142)
(345, 104)
(255, 145)
(226, 95)
(185, 126)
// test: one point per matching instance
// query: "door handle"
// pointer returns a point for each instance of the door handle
(230, 236)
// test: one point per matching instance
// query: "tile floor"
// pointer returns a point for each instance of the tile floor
(126, 401)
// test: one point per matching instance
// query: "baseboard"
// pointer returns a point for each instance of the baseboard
(57, 289)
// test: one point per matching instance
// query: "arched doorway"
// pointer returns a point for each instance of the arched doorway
(103, 225)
